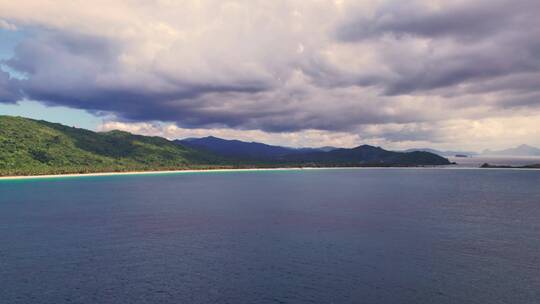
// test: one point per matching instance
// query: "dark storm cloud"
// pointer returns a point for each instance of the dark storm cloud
(9, 91)
(424, 63)
(465, 20)
(476, 66)
(65, 69)
(470, 42)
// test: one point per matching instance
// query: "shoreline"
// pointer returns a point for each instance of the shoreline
(163, 172)
(98, 174)
(158, 172)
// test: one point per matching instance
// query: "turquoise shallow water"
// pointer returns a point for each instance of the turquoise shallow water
(311, 236)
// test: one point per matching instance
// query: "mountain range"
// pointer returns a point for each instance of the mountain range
(30, 147)
(329, 156)
(245, 150)
(367, 155)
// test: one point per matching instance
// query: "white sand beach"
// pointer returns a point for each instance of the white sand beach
(159, 172)
(241, 170)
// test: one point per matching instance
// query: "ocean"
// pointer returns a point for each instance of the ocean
(292, 236)
(477, 161)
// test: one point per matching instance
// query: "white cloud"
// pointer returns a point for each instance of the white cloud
(4, 25)
(472, 135)
(292, 72)
(306, 138)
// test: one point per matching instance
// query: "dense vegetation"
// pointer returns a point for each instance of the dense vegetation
(33, 147)
(29, 147)
(366, 155)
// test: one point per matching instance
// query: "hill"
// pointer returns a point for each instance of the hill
(442, 153)
(366, 155)
(34, 147)
(30, 147)
(243, 150)
(327, 156)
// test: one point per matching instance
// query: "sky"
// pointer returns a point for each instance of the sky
(397, 74)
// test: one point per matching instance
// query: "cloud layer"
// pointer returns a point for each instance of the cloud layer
(404, 69)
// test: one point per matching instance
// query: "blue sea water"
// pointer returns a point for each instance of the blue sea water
(477, 161)
(306, 236)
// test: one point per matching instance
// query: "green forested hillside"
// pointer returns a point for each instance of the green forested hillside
(366, 155)
(33, 147)
(38, 147)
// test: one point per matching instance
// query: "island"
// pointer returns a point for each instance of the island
(533, 166)
(37, 147)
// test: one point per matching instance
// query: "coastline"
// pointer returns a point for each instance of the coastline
(159, 172)
(163, 172)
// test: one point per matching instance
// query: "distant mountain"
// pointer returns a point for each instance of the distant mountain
(366, 155)
(326, 148)
(443, 153)
(523, 150)
(244, 150)
(325, 156)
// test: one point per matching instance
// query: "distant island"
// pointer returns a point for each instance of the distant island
(519, 151)
(36, 147)
(534, 166)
